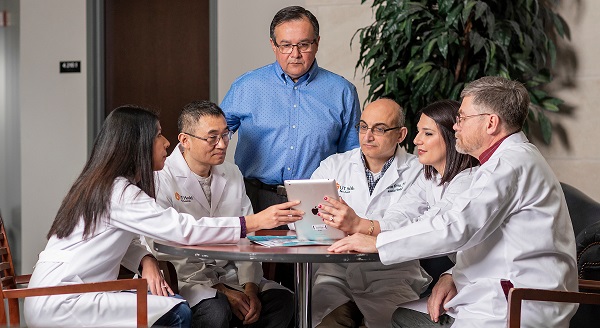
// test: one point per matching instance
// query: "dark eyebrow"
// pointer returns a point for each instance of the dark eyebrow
(301, 41)
(376, 124)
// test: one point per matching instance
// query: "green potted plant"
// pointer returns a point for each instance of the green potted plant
(417, 52)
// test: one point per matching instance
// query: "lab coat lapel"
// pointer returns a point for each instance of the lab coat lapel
(216, 188)
(389, 177)
(358, 172)
(193, 186)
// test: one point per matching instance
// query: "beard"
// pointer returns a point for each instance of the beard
(468, 145)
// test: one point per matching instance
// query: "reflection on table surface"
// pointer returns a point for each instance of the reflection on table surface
(245, 250)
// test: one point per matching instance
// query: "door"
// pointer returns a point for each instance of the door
(156, 56)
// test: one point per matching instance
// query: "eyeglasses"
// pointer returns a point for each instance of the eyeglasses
(302, 47)
(460, 119)
(377, 130)
(214, 140)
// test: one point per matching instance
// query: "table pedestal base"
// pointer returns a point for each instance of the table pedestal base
(302, 282)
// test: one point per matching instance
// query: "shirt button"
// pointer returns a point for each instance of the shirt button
(292, 147)
(295, 105)
(289, 168)
(295, 88)
(293, 126)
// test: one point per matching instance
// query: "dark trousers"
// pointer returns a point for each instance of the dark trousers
(277, 311)
(261, 198)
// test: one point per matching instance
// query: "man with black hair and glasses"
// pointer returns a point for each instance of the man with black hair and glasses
(197, 180)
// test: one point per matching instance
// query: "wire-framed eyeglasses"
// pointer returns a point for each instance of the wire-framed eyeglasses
(213, 140)
(302, 46)
(377, 130)
(460, 119)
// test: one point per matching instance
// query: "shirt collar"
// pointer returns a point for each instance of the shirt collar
(371, 179)
(306, 78)
(485, 156)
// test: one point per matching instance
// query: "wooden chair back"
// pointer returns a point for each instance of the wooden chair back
(517, 295)
(10, 292)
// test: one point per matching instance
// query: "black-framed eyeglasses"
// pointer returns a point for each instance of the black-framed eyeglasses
(377, 130)
(460, 119)
(214, 139)
(288, 48)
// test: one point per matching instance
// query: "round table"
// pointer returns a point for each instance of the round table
(302, 256)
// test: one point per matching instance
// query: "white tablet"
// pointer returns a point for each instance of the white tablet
(310, 193)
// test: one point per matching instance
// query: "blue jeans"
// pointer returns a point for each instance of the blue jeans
(180, 316)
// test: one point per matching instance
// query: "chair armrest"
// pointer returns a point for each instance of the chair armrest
(589, 285)
(140, 285)
(517, 295)
(22, 279)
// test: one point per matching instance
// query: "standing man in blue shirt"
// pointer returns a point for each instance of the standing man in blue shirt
(290, 114)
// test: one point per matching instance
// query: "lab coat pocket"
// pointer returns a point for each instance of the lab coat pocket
(483, 298)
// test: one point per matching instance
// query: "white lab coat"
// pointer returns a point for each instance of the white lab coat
(115, 241)
(178, 188)
(511, 224)
(376, 289)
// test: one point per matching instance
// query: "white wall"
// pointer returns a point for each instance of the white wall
(574, 152)
(53, 113)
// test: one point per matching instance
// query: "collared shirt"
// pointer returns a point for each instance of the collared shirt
(372, 178)
(286, 129)
(490, 151)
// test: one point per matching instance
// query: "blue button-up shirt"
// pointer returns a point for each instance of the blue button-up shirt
(286, 129)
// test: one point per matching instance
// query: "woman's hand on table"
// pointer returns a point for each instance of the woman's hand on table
(273, 216)
(357, 243)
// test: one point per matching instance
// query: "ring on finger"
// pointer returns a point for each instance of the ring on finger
(331, 218)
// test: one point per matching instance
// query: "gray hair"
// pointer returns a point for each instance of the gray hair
(508, 99)
(290, 14)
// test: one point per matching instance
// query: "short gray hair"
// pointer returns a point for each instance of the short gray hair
(508, 99)
(293, 13)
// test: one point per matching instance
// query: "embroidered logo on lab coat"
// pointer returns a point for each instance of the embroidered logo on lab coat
(345, 189)
(182, 198)
(396, 187)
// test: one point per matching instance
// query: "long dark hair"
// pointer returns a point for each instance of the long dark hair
(443, 113)
(122, 149)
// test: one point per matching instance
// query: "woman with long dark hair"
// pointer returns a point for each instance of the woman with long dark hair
(98, 223)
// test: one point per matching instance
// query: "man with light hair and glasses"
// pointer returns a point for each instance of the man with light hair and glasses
(291, 114)
(507, 229)
(197, 180)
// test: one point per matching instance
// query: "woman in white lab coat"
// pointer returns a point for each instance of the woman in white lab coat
(446, 173)
(98, 223)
